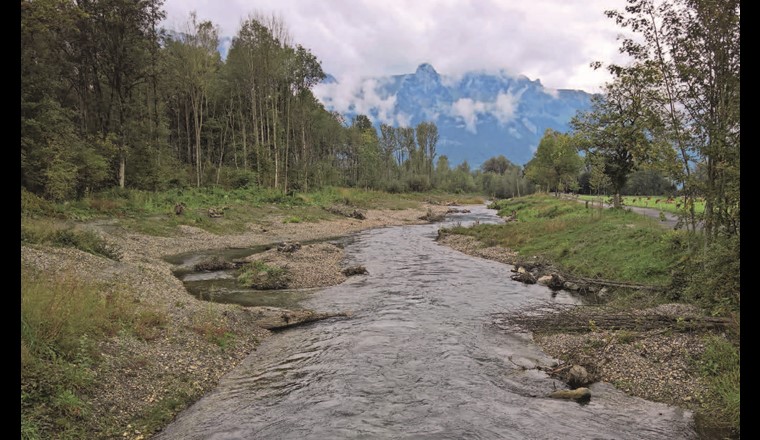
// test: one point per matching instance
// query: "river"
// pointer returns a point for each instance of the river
(417, 359)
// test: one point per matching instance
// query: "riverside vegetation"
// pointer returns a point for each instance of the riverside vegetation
(613, 244)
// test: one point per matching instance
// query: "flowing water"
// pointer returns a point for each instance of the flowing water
(417, 359)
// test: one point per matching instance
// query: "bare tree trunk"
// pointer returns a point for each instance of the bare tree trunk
(122, 169)
(276, 150)
(304, 158)
(287, 142)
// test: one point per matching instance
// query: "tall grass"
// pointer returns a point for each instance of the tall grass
(720, 366)
(62, 321)
(45, 232)
(613, 244)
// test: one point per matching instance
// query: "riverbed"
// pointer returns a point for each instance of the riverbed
(418, 358)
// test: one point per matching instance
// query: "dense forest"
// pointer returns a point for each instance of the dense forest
(109, 98)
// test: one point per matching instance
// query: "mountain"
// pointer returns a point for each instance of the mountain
(479, 115)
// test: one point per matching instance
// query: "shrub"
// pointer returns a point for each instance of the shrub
(262, 276)
(712, 275)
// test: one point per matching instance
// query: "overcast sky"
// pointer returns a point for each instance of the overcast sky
(550, 40)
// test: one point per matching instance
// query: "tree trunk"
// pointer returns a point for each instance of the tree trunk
(122, 169)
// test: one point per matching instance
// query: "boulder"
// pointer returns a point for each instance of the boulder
(576, 394)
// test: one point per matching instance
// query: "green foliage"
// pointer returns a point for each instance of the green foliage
(262, 276)
(650, 182)
(62, 321)
(42, 232)
(556, 162)
(720, 366)
(237, 179)
(613, 244)
(178, 397)
(34, 206)
(711, 274)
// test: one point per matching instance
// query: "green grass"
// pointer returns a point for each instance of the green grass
(656, 202)
(157, 415)
(262, 276)
(62, 321)
(612, 244)
(42, 231)
(153, 212)
(720, 367)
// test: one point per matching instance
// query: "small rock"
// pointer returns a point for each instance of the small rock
(545, 280)
(521, 270)
(576, 394)
(578, 376)
(288, 247)
(355, 270)
(571, 286)
(524, 277)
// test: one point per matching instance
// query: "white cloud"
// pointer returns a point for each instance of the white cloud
(403, 120)
(554, 93)
(468, 110)
(503, 109)
(553, 40)
(358, 96)
(529, 125)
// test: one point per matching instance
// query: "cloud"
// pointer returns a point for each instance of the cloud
(358, 96)
(554, 93)
(503, 109)
(468, 110)
(553, 40)
(529, 125)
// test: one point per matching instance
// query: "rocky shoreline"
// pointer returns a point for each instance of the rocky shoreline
(658, 365)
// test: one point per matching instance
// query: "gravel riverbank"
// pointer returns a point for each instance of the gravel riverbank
(657, 365)
(143, 382)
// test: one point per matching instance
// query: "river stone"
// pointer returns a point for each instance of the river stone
(545, 280)
(521, 270)
(576, 394)
(578, 376)
(571, 286)
(288, 247)
(355, 270)
(524, 277)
